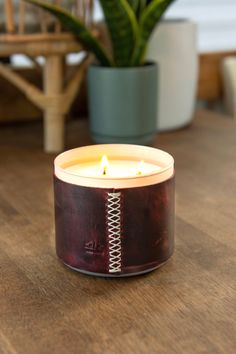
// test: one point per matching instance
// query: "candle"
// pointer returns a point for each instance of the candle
(114, 208)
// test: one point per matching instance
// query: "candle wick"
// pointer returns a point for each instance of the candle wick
(104, 165)
(140, 168)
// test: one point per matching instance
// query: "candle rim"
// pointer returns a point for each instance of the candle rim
(115, 146)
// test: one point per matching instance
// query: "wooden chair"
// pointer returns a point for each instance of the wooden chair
(46, 39)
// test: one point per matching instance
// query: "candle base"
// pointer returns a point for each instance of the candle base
(114, 233)
(126, 275)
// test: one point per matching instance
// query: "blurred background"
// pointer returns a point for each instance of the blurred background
(204, 73)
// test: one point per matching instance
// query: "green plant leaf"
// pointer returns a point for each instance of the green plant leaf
(77, 27)
(150, 17)
(138, 6)
(134, 4)
(142, 5)
(123, 28)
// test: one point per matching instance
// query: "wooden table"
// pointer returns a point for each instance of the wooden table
(187, 306)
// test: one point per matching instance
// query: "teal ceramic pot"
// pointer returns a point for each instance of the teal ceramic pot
(122, 104)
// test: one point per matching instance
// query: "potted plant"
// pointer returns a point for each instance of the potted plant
(122, 85)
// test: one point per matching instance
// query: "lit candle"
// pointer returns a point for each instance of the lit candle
(114, 208)
(125, 166)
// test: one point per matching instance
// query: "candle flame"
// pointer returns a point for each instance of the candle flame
(141, 168)
(104, 164)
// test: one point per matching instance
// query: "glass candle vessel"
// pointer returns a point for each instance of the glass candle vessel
(114, 209)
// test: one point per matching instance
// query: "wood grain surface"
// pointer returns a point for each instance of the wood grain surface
(187, 306)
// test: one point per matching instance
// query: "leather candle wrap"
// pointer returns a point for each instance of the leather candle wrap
(114, 231)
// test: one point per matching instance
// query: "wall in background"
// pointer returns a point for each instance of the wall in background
(216, 21)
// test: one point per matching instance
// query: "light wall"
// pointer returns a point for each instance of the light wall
(216, 21)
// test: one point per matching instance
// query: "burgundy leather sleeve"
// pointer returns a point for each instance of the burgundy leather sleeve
(146, 221)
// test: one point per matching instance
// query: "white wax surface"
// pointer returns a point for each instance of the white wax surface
(115, 169)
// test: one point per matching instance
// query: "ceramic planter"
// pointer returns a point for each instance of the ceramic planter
(174, 47)
(122, 104)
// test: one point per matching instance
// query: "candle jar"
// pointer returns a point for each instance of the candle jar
(115, 224)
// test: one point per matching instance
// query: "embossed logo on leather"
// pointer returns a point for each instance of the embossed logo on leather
(93, 247)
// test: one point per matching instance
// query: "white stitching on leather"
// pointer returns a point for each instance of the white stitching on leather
(114, 231)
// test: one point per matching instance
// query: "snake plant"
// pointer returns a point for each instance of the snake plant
(130, 24)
